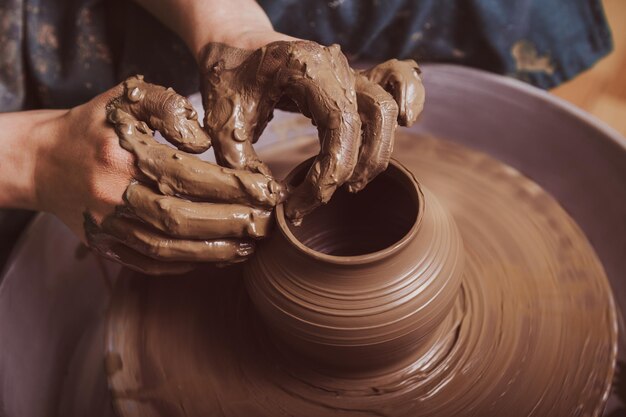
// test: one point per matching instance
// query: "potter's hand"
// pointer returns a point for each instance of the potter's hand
(147, 205)
(401, 80)
(356, 113)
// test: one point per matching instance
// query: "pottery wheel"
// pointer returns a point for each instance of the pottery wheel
(537, 335)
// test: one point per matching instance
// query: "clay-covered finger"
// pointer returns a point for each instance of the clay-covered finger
(142, 263)
(236, 121)
(160, 246)
(163, 110)
(195, 220)
(237, 108)
(324, 91)
(113, 249)
(379, 113)
(178, 173)
(332, 167)
(403, 81)
(238, 155)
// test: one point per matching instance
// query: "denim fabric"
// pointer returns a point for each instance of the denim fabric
(544, 42)
(61, 53)
(58, 54)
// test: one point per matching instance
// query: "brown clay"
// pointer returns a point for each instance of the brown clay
(530, 331)
(365, 283)
(355, 113)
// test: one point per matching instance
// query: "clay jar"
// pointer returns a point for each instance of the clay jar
(366, 281)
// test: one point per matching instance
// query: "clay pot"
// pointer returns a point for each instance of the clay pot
(366, 280)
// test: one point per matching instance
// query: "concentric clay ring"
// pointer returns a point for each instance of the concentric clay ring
(364, 285)
(533, 331)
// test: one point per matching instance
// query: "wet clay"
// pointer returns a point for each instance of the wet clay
(366, 281)
(531, 329)
(180, 211)
(356, 113)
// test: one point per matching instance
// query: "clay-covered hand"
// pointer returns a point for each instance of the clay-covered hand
(388, 92)
(150, 206)
(356, 113)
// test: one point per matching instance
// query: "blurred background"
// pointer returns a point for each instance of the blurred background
(602, 90)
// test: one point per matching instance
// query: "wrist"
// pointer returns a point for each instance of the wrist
(243, 25)
(24, 143)
(248, 39)
(240, 24)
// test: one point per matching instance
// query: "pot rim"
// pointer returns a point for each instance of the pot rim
(283, 225)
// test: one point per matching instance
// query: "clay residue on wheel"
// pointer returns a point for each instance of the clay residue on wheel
(527, 58)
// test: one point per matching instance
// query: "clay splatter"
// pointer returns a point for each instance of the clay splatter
(527, 58)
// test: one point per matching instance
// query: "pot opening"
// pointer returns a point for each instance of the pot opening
(369, 221)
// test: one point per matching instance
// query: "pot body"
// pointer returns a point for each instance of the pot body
(367, 311)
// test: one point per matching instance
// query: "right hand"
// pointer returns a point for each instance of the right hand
(147, 205)
(356, 113)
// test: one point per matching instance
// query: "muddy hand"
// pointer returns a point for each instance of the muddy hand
(241, 88)
(389, 91)
(178, 211)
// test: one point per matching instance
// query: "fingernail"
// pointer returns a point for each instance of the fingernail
(281, 191)
(135, 95)
(274, 187)
(143, 127)
(245, 249)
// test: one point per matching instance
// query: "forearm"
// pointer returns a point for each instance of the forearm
(22, 142)
(239, 23)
